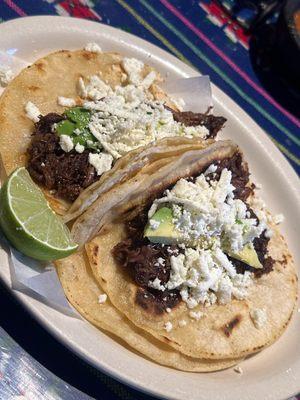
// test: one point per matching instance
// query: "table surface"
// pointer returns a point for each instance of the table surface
(30, 359)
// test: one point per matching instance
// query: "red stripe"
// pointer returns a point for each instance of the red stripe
(16, 8)
(224, 57)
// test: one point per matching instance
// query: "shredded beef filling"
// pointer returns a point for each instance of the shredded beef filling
(69, 173)
(211, 122)
(261, 245)
(155, 301)
(240, 175)
(140, 257)
(66, 173)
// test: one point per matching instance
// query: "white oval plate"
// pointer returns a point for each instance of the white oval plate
(272, 374)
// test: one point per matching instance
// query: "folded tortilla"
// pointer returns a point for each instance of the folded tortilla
(41, 83)
(83, 291)
(225, 331)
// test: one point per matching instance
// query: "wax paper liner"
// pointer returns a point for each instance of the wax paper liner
(40, 280)
(196, 92)
(36, 279)
(9, 61)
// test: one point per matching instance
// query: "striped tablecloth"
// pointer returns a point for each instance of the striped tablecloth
(196, 33)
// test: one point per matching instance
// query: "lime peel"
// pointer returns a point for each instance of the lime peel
(38, 232)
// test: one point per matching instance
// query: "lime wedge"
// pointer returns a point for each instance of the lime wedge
(29, 222)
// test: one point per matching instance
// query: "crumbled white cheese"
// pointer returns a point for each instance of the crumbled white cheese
(54, 127)
(156, 284)
(259, 317)
(152, 210)
(127, 117)
(154, 224)
(278, 219)
(95, 90)
(202, 281)
(32, 112)
(102, 162)
(161, 261)
(93, 47)
(178, 102)
(168, 310)
(102, 298)
(168, 326)
(268, 233)
(133, 68)
(66, 143)
(210, 170)
(182, 323)
(79, 148)
(238, 369)
(43, 164)
(66, 101)
(223, 261)
(209, 219)
(207, 211)
(148, 80)
(6, 75)
(258, 203)
(197, 315)
(77, 131)
(178, 272)
(81, 88)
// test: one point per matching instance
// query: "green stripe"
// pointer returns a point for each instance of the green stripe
(219, 72)
(154, 32)
(286, 151)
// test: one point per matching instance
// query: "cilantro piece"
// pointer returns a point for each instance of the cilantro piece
(80, 116)
(65, 127)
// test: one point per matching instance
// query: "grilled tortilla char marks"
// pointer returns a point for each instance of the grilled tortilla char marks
(140, 257)
(228, 328)
(49, 166)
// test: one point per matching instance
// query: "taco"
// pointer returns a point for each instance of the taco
(85, 293)
(72, 114)
(88, 297)
(186, 252)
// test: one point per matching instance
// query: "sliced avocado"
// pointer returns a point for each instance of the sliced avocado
(65, 127)
(247, 255)
(165, 232)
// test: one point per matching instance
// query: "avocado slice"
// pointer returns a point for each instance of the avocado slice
(165, 232)
(247, 255)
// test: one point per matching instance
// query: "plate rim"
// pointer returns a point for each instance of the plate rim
(224, 101)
